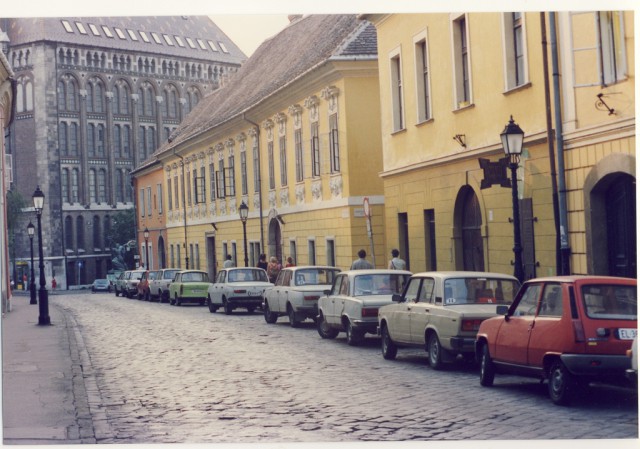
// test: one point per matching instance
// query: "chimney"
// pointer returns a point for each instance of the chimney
(294, 17)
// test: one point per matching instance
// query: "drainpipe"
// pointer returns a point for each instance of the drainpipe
(550, 139)
(262, 249)
(184, 205)
(565, 249)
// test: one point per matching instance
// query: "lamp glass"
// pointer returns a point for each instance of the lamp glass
(38, 200)
(31, 230)
(244, 211)
(512, 138)
(146, 233)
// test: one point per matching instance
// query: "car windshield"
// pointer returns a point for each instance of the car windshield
(247, 275)
(315, 276)
(170, 274)
(195, 277)
(379, 284)
(479, 290)
(137, 274)
(619, 302)
(101, 282)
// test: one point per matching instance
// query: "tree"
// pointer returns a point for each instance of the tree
(15, 204)
(120, 237)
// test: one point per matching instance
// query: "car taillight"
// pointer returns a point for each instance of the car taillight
(471, 325)
(578, 331)
(311, 298)
(370, 312)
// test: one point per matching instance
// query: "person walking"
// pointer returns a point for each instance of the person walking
(396, 263)
(290, 262)
(361, 263)
(262, 262)
(229, 262)
(273, 269)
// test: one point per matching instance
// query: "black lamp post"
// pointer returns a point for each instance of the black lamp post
(512, 138)
(146, 248)
(31, 230)
(244, 213)
(43, 294)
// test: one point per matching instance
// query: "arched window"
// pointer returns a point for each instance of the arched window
(72, 105)
(28, 87)
(99, 100)
(73, 139)
(62, 139)
(107, 230)
(124, 99)
(68, 232)
(62, 95)
(100, 140)
(90, 101)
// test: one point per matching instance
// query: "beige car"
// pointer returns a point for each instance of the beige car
(442, 311)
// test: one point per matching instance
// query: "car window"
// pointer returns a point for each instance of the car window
(528, 302)
(283, 278)
(610, 301)
(315, 276)
(426, 292)
(137, 275)
(344, 287)
(411, 293)
(551, 303)
(170, 274)
(479, 290)
(195, 277)
(337, 285)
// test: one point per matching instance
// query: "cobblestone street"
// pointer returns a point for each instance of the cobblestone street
(169, 374)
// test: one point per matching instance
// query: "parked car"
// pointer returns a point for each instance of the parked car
(442, 311)
(567, 330)
(101, 285)
(144, 284)
(159, 284)
(632, 373)
(238, 287)
(189, 286)
(130, 286)
(352, 303)
(120, 285)
(296, 293)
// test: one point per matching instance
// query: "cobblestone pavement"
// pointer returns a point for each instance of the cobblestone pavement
(169, 374)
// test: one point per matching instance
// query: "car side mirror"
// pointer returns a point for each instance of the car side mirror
(396, 297)
(502, 309)
(326, 292)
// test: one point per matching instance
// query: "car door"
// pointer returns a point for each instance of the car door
(513, 336)
(400, 315)
(421, 312)
(280, 287)
(218, 287)
(549, 324)
(335, 301)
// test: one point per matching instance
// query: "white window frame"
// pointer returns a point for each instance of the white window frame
(458, 63)
(397, 89)
(424, 110)
(508, 48)
(611, 69)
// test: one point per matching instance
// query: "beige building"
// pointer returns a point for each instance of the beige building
(294, 135)
(449, 84)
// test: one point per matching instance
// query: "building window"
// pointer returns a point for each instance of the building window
(176, 192)
(272, 175)
(256, 167)
(73, 139)
(126, 142)
(79, 233)
(232, 175)
(100, 140)
(92, 185)
(315, 150)
(283, 160)
(243, 171)
(141, 203)
(178, 258)
(102, 186)
(65, 185)
(117, 141)
(188, 187)
(334, 143)
(220, 180)
(197, 259)
(423, 90)
(212, 182)
(299, 155)
(62, 139)
(613, 64)
(172, 256)
(149, 209)
(514, 49)
(331, 252)
(91, 142)
(312, 251)
(462, 76)
(169, 195)
(119, 186)
(397, 97)
(75, 198)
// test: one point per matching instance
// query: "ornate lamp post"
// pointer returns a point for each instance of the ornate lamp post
(43, 294)
(512, 138)
(146, 248)
(244, 214)
(31, 230)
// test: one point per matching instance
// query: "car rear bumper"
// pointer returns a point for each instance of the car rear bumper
(244, 301)
(596, 364)
(307, 311)
(366, 326)
(463, 344)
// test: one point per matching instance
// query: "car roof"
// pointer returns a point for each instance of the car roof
(463, 274)
(375, 271)
(585, 279)
(193, 271)
(306, 267)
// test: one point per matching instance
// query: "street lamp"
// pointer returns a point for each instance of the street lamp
(43, 294)
(512, 138)
(244, 214)
(31, 230)
(146, 247)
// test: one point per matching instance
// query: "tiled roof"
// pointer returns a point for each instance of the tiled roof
(302, 46)
(193, 37)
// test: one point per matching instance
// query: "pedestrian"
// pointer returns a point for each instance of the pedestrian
(229, 262)
(396, 263)
(54, 284)
(361, 263)
(273, 269)
(290, 262)
(262, 262)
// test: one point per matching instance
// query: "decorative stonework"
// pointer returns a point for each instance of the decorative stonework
(295, 111)
(272, 199)
(284, 197)
(312, 103)
(233, 207)
(223, 207)
(268, 126)
(335, 184)
(330, 94)
(256, 202)
(281, 120)
(300, 194)
(316, 190)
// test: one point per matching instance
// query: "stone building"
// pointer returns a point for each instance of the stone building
(95, 97)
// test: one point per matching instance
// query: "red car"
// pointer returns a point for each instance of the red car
(567, 330)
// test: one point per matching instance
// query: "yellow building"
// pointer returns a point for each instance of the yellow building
(449, 83)
(294, 135)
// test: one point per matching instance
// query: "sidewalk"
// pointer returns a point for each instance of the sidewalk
(44, 396)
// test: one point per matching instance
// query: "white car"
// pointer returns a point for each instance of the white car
(442, 311)
(296, 293)
(352, 304)
(238, 287)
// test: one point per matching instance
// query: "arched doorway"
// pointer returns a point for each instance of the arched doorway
(162, 256)
(275, 239)
(468, 229)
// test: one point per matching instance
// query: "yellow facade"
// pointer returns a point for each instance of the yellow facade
(433, 181)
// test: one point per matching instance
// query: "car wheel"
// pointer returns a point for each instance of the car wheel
(147, 296)
(325, 330)
(389, 348)
(178, 301)
(212, 308)
(227, 307)
(561, 384)
(354, 337)
(293, 321)
(250, 310)
(171, 302)
(487, 368)
(434, 350)
(160, 298)
(269, 316)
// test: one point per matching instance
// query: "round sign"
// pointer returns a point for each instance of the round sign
(367, 209)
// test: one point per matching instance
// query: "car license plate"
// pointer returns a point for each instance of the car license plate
(627, 334)
(254, 293)
(196, 292)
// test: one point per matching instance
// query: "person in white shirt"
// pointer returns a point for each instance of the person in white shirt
(396, 263)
